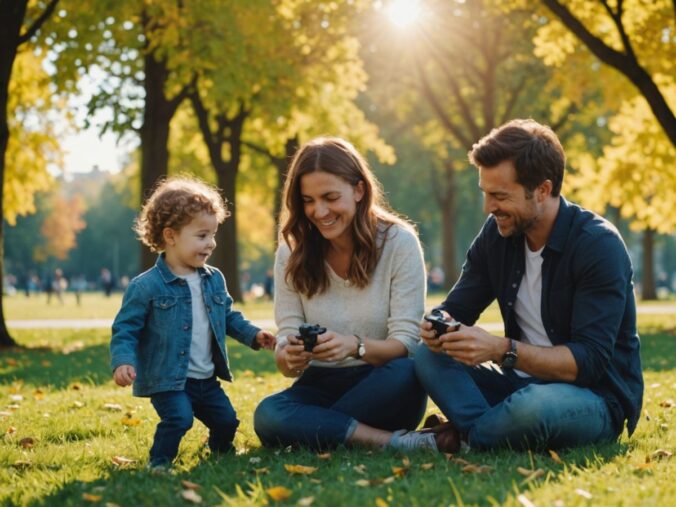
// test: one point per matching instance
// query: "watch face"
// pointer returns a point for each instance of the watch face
(508, 360)
(361, 351)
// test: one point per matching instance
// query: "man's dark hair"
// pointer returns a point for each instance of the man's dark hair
(534, 149)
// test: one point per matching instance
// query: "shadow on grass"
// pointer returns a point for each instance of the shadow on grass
(75, 362)
(658, 351)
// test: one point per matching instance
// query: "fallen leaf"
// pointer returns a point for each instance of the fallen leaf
(399, 471)
(261, 471)
(459, 461)
(21, 464)
(362, 483)
(667, 403)
(11, 361)
(388, 480)
(189, 485)
(476, 469)
(113, 407)
(658, 454)
(27, 443)
(16, 397)
(88, 497)
(523, 500)
(11, 430)
(427, 466)
(189, 495)
(326, 455)
(315, 481)
(360, 469)
(78, 404)
(121, 460)
(38, 394)
(534, 474)
(76, 387)
(300, 469)
(406, 462)
(305, 501)
(130, 421)
(584, 493)
(278, 493)
(5, 414)
(381, 503)
(557, 459)
(645, 467)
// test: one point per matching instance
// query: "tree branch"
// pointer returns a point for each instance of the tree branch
(38, 22)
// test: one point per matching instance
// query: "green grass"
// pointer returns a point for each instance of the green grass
(56, 391)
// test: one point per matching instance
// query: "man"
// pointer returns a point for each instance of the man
(568, 371)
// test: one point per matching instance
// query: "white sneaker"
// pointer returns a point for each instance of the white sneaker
(403, 440)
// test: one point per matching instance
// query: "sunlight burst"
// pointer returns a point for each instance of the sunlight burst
(403, 13)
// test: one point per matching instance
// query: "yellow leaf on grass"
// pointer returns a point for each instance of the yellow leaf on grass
(121, 460)
(261, 471)
(113, 407)
(667, 403)
(360, 469)
(189, 485)
(363, 483)
(381, 503)
(305, 501)
(278, 493)
(11, 430)
(300, 469)
(325, 455)
(427, 466)
(555, 457)
(88, 497)
(584, 493)
(476, 469)
(11, 361)
(189, 495)
(399, 471)
(130, 421)
(658, 454)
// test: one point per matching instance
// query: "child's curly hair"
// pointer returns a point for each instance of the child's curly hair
(175, 202)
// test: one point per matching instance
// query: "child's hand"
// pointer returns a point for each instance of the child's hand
(124, 375)
(266, 339)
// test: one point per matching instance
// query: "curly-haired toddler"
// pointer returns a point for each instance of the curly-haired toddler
(169, 336)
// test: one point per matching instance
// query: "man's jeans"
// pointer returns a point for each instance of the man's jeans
(494, 408)
(207, 401)
(323, 407)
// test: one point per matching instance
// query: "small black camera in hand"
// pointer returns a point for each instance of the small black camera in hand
(309, 333)
(440, 324)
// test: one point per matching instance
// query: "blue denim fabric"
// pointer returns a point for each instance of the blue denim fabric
(495, 408)
(202, 398)
(587, 300)
(322, 408)
(153, 329)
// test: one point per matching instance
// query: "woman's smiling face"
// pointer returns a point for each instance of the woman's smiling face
(330, 203)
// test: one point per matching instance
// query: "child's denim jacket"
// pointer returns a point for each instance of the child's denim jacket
(153, 329)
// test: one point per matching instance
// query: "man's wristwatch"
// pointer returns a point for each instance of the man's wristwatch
(361, 348)
(510, 357)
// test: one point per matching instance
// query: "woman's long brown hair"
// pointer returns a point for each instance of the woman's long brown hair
(306, 270)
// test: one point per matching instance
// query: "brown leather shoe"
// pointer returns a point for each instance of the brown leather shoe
(446, 434)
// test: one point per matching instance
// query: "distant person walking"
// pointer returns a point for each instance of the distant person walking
(107, 282)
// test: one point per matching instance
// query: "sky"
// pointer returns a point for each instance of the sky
(87, 149)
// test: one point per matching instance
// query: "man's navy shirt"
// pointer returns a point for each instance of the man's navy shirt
(587, 300)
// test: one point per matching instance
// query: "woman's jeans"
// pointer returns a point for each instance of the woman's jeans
(206, 400)
(495, 408)
(323, 407)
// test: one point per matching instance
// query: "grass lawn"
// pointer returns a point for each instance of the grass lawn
(71, 437)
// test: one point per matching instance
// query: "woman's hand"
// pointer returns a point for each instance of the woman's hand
(292, 359)
(335, 347)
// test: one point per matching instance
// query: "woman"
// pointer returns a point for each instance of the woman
(356, 269)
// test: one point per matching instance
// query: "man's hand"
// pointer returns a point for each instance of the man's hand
(472, 345)
(266, 339)
(429, 335)
(124, 375)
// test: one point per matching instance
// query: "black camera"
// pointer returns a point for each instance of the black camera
(440, 324)
(309, 333)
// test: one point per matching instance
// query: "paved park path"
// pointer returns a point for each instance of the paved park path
(263, 323)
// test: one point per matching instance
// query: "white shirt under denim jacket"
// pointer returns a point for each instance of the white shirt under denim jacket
(153, 329)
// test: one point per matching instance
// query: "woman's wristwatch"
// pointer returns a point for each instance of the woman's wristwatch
(361, 348)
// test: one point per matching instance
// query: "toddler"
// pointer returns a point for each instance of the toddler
(169, 336)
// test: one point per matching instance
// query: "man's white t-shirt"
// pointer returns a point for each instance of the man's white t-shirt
(528, 302)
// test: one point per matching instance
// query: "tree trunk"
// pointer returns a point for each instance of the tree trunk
(226, 256)
(13, 13)
(648, 291)
(282, 166)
